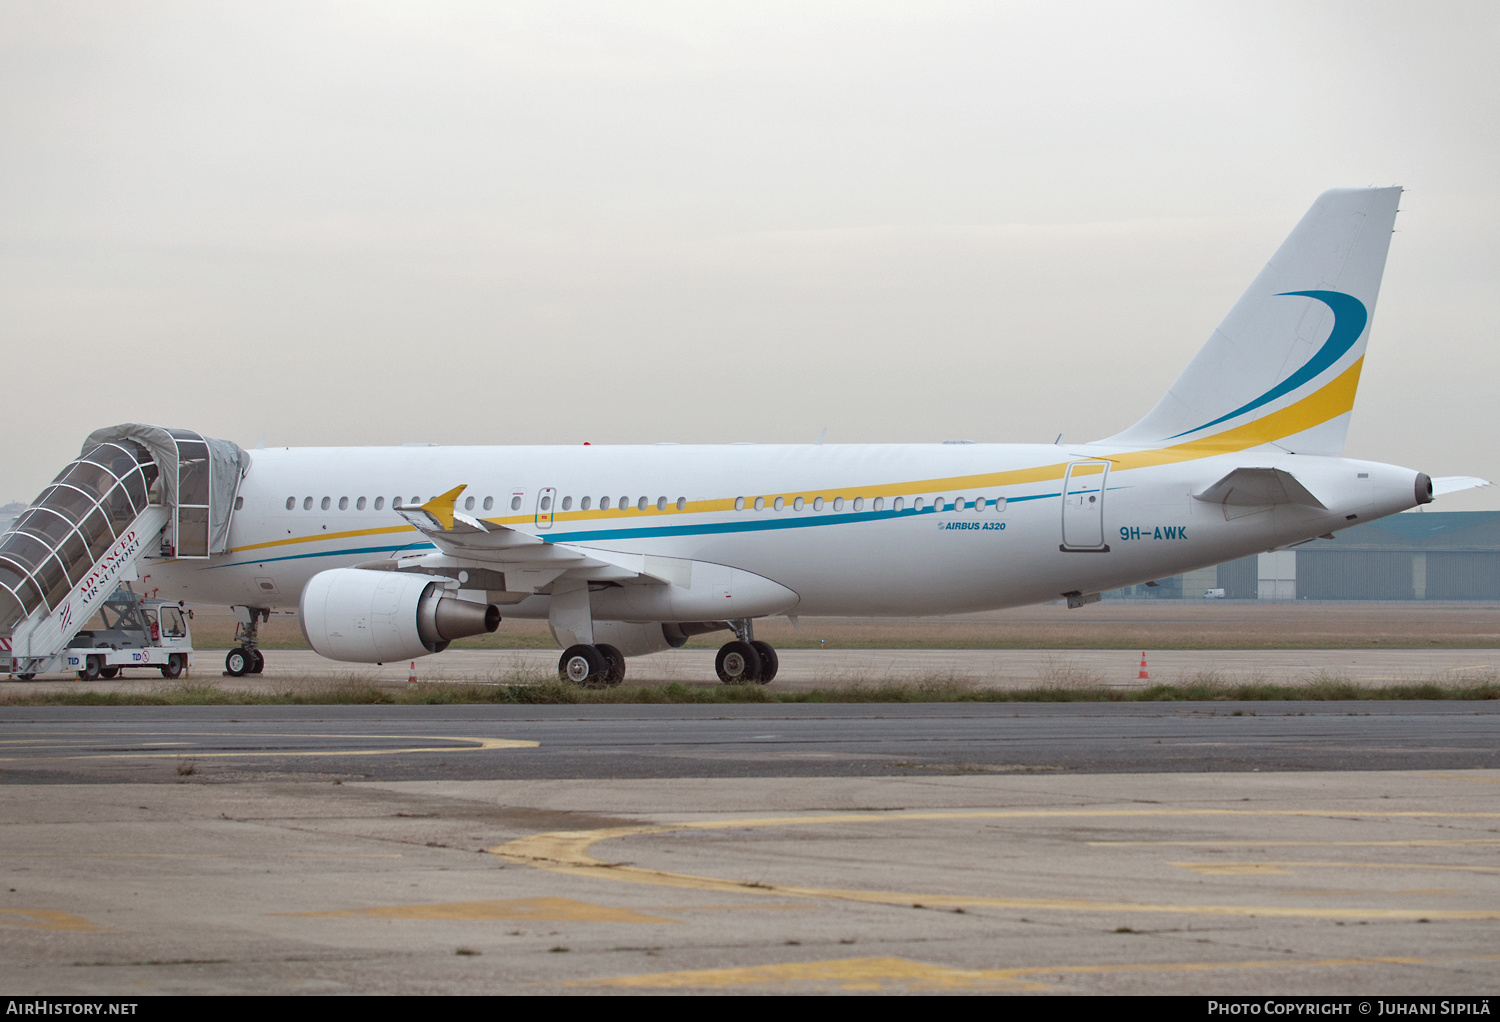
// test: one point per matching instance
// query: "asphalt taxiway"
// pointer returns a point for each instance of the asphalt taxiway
(1229, 883)
(1286, 848)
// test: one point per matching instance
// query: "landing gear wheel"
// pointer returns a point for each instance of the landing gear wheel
(28, 676)
(109, 673)
(616, 661)
(237, 663)
(737, 663)
(768, 661)
(259, 663)
(174, 666)
(583, 665)
(91, 668)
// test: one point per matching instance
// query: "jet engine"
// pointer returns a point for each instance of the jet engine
(372, 617)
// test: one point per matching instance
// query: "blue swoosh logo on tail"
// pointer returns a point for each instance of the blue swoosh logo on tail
(1349, 319)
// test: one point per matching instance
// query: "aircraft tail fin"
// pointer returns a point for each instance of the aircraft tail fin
(1282, 369)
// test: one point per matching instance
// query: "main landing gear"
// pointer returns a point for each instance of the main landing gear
(592, 665)
(746, 659)
(247, 659)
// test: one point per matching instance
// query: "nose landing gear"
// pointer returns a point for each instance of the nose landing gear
(247, 659)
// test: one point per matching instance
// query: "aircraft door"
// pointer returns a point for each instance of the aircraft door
(1083, 507)
(546, 497)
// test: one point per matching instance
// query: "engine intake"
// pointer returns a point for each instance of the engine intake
(371, 617)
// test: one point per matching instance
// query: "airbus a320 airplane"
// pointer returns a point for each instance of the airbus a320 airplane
(391, 553)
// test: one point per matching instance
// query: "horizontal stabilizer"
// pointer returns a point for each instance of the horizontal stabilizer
(1259, 486)
(1453, 484)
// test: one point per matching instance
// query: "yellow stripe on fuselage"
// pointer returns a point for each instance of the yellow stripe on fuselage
(1326, 403)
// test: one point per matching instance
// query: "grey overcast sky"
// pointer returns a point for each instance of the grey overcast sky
(365, 223)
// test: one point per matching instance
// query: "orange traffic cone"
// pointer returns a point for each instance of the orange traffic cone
(1144, 675)
(411, 677)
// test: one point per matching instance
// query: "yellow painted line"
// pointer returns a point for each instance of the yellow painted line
(46, 919)
(384, 530)
(847, 973)
(878, 973)
(1253, 868)
(198, 855)
(1463, 777)
(1414, 843)
(568, 852)
(551, 910)
(474, 745)
(737, 908)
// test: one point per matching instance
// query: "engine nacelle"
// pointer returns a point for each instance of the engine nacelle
(371, 617)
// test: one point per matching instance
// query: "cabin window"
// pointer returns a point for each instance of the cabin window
(395, 502)
(291, 502)
(624, 503)
(359, 505)
(489, 503)
(859, 503)
(999, 503)
(917, 504)
(515, 503)
(898, 504)
(739, 503)
(661, 503)
(583, 505)
(879, 503)
(797, 504)
(780, 503)
(343, 503)
(546, 503)
(567, 503)
(469, 504)
(239, 503)
(817, 503)
(838, 503)
(603, 503)
(379, 503)
(416, 500)
(307, 503)
(682, 503)
(640, 505)
(760, 503)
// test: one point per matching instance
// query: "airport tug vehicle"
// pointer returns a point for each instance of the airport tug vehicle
(137, 632)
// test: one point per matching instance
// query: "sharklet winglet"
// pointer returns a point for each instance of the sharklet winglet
(441, 507)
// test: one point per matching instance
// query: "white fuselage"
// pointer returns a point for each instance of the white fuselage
(854, 559)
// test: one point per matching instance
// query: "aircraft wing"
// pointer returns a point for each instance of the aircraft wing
(458, 534)
(467, 544)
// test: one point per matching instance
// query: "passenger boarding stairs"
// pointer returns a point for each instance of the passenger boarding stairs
(83, 537)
